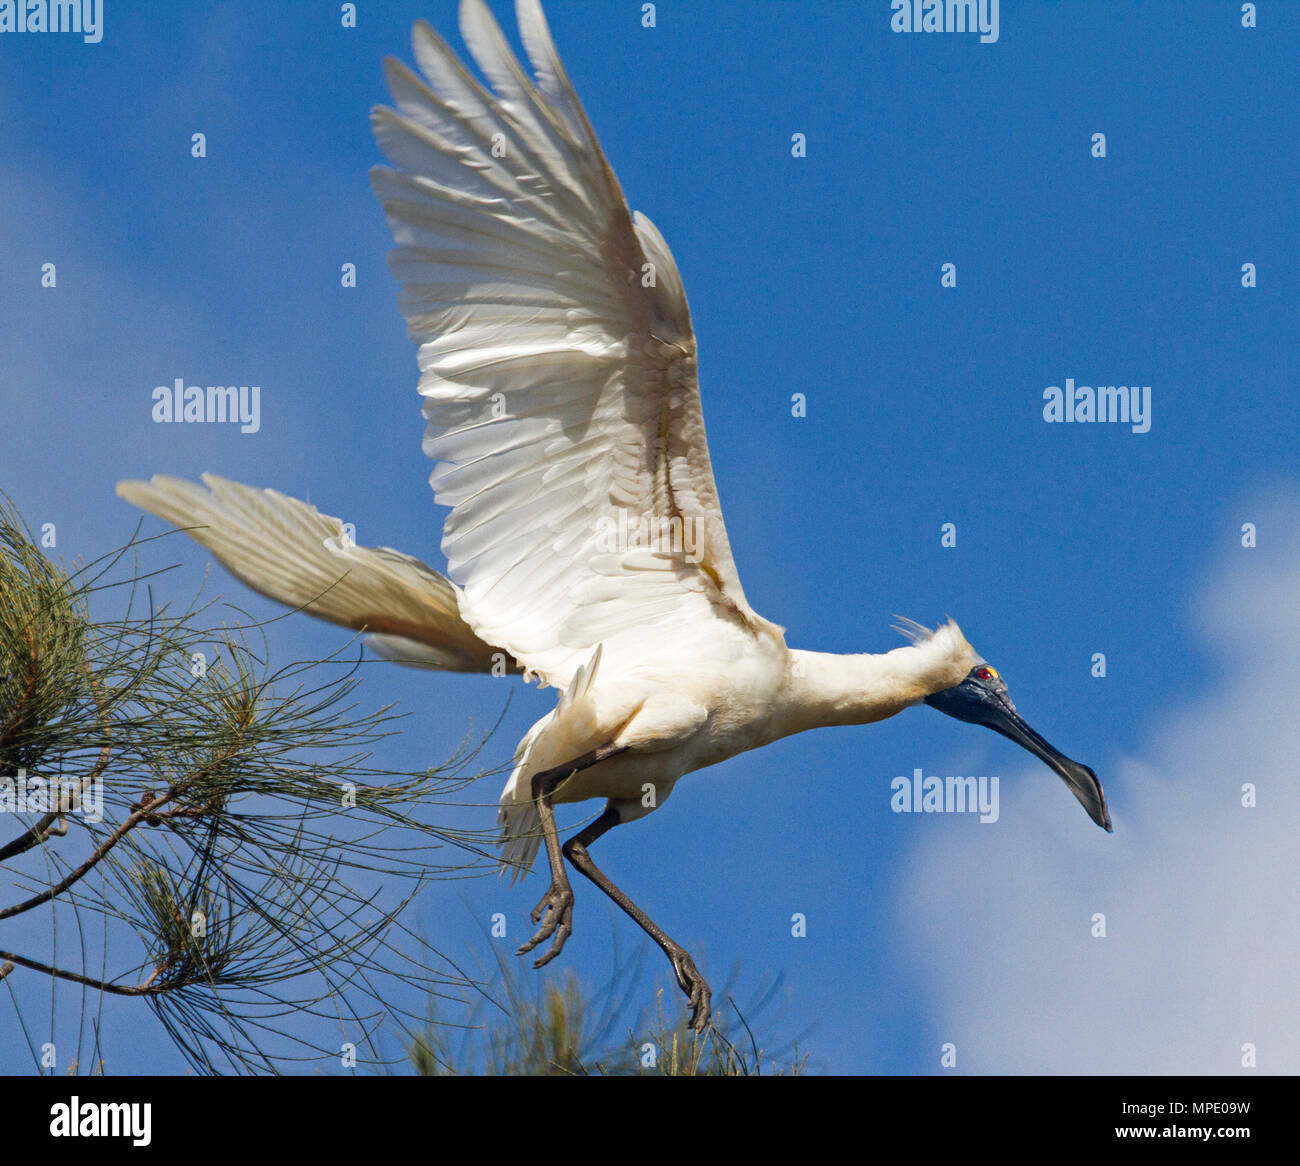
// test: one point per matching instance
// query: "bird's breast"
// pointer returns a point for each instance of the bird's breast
(694, 715)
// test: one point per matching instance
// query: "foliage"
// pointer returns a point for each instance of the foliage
(532, 1027)
(222, 818)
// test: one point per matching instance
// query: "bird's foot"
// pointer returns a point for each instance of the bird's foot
(698, 997)
(557, 906)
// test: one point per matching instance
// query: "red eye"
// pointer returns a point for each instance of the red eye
(985, 674)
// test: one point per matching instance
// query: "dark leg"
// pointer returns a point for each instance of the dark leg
(558, 901)
(688, 977)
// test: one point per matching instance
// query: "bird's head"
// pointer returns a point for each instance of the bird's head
(982, 699)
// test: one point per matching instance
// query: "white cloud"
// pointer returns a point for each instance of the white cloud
(1201, 896)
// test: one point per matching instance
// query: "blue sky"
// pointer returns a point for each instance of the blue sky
(817, 275)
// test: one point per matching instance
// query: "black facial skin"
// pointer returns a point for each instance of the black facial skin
(982, 699)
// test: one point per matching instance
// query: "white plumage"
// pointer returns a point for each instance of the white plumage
(558, 370)
(558, 375)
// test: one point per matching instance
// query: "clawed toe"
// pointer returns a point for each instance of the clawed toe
(698, 997)
(557, 907)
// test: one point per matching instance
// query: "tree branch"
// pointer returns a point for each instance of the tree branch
(146, 811)
(47, 825)
(145, 989)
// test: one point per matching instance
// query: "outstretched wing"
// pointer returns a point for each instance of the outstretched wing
(290, 552)
(557, 363)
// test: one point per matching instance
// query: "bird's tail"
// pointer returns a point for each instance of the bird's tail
(290, 552)
(521, 825)
(521, 836)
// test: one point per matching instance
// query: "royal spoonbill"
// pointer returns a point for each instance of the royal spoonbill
(585, 544)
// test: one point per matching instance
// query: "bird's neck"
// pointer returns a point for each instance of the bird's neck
(827, 689)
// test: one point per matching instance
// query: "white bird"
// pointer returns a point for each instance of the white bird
(585, 541)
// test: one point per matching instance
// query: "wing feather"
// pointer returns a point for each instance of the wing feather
(290, 552)
(557, 362)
